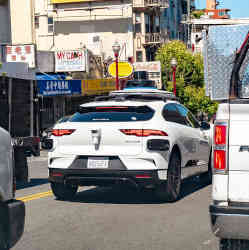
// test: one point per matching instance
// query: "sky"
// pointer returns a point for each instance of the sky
(239, 8)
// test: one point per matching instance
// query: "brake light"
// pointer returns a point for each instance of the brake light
(143, 176)
(220, 159)
(112, 107)
(143, 132)
(220, 146)
(61, 132)
(220, 134)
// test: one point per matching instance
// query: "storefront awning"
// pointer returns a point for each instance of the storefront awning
(50, 76)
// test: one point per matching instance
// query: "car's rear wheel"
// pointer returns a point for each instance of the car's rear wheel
(232, 244)
(3, 236)
(64, 191)
(171, 189)
(207, 177)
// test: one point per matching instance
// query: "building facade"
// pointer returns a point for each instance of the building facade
(78, 27)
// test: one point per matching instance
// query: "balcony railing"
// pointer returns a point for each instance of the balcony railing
(153, 38)
(150, 3)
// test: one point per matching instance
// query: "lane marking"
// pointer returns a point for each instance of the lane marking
(35, 196)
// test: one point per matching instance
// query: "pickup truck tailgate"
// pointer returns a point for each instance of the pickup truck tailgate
(239, 153)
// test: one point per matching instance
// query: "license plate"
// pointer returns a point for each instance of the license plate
(98, 162)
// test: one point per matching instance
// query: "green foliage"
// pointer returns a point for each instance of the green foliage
(189, 66)
(197, 14)
(189, 77)
(194, 98)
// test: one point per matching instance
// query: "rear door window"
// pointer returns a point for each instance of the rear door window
(113, 114)
(171, 114)
(189, 118)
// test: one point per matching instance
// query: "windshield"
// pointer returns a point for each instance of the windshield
(113, 114)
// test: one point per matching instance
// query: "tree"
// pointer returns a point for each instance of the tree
(189, 77)
(189, 66)
(197, 14)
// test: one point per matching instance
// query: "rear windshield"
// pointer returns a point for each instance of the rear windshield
(113, 114)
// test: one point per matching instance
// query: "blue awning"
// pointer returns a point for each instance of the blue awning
(50, 76)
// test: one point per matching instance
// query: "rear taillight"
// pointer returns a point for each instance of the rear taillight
(220, 141)
(220, 134)
(219, 159)
(143, 176)
(61, 132)
(143, 132)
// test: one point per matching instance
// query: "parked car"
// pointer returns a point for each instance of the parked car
(142, 83)
(46, 142)
(12, 212)
(142, 138)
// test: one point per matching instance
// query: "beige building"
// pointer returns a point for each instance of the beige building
(72, 24)
(94, 25)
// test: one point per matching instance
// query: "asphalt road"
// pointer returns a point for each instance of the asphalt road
(110, 218)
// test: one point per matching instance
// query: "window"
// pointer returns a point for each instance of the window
(37, 22)
(50, 25)
(171, 114)
(222, 13)
(157, 24)
(137, 17)
(137, 28)
(113, 114)
(137, 25)
(139, 56)
(147, 23)
(190, 120)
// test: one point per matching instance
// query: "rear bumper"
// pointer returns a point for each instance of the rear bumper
(230, 222)
(14, 220)
(86, 177)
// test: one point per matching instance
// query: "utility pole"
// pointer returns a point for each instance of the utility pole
(189, 23)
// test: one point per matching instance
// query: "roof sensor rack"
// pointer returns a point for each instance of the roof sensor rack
(137, 97)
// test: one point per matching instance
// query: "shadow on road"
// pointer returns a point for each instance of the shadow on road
(33, 182)
(119, 195)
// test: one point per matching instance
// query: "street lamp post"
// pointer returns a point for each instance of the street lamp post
(116, 49)
(173, 66)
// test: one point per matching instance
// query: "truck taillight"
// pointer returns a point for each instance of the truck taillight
(219, 159)
(61, 132)
(220, 140)
(220, 134)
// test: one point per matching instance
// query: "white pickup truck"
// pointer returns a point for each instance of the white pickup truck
(230, 160)
(12, 212)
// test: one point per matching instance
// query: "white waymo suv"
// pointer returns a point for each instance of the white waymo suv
(143, 138)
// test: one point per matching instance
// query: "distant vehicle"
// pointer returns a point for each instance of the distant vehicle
(140, 84)
(12, 212)
(46, 142)
(143, 138)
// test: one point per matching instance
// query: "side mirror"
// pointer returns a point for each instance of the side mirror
(204, 125)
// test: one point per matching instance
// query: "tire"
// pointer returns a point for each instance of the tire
(3, 236)
(231, 244)
(210, 171)
(170, 190)
(21, 166)
(63, 192)
(207, 176)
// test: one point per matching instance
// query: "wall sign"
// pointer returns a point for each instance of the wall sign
(70, 60)
(59, 87)
(21, 53)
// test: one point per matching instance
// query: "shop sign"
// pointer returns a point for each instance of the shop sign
(70, 60)
(21, 53)
(125, 69)
(59, 87)
(98, 86)
(153, 68)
